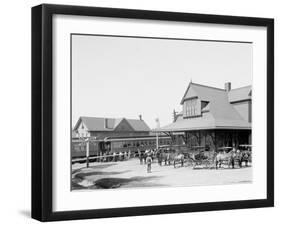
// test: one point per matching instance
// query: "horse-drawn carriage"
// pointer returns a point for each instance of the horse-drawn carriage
(197, 156)
(233, 156)
(200, 157)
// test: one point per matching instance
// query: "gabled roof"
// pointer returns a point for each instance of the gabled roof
(205, 93)
(240, 94)
(98, 124)
(138, 125)
(218, 113)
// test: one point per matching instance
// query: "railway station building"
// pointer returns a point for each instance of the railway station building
(212, 117)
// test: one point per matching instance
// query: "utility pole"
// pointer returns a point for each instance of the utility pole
(86, 141)
(157, 138)
(87, 152)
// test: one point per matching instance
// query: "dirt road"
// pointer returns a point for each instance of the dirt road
(131, 173)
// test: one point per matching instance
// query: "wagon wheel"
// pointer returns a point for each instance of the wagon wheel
(197, 163)
(194, 164)
(209, 163)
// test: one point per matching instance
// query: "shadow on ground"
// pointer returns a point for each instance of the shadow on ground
(76, 186)
(87, 174)
(103, 166)
(94, 167)
(115, 182)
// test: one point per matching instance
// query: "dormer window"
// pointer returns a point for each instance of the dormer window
(205, 106)
(190, 107)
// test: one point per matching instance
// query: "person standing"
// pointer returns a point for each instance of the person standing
(140, 156)
(148, 162)
(114, 156)
(129, 154)
(120, 156)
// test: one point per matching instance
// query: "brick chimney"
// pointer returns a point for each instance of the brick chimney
(227, 86)
(140, 117)
(106, 123)
(174, 115)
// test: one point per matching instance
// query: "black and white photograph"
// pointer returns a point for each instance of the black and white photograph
(153, 112)
(145, 112)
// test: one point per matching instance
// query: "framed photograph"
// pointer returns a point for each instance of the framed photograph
(145, 112)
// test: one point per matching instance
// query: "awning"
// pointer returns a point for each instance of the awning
(205, 123)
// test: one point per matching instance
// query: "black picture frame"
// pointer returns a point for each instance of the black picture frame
(42, 107)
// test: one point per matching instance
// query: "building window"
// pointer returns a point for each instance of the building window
(191, 107)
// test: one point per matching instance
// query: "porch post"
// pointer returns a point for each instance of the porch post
(199, 138)
(215, 140)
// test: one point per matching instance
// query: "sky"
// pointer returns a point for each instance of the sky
(123, 77)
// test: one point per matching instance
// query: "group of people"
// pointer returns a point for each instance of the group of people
(116, 156)
(167, 155)
(121, 156)
(146, 157)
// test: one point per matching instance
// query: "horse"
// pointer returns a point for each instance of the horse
(166, 157)
(244, 156)
(225, 157)
(163, 156)
(178, 158)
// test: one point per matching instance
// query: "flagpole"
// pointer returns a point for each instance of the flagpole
(157, 141)
(157, 138)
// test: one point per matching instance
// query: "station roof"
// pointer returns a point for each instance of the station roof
(207, 122)
(98, 124)
(219, 113)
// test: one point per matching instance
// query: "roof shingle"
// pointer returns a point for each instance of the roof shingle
(220, 114)
(243, 93)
